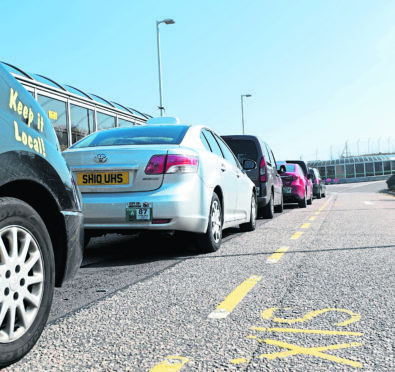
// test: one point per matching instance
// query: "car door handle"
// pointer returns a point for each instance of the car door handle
(223, 168)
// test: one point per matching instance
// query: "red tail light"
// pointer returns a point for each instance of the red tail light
(160, 164)
(263, 170)
(156, 165)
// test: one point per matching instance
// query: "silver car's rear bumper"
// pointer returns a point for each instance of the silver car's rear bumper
(186, 204)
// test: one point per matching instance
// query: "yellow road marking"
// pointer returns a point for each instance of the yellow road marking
(310, 331)
(314, 351)
(297, 235)
(268, 314)
(305, 225)
(323, 206)
(232, 300)
(170, 364)
(312, 218)
(317, 213)
(240, 360)
(275, 257)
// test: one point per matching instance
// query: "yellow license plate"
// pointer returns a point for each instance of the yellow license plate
(102, 178)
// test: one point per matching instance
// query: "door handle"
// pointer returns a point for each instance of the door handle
(223, 168)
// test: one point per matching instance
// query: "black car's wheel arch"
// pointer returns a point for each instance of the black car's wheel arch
(44, 203)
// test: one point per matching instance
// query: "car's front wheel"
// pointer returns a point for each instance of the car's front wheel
(251, 225)
(27, 276)
(280, 208)
(268, 210)
(310, 201)
(211, 240)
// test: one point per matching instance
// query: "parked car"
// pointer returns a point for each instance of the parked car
(266, 178)
(308, 177)
(166, 177)
(319, 185)
(41, 222)
(295, 186)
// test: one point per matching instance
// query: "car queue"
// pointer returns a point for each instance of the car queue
(178, 178)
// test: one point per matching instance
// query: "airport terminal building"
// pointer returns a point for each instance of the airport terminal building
(356, 168)
(74, 113)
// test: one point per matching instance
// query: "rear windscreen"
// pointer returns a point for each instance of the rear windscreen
(243, 149)
(138, 135)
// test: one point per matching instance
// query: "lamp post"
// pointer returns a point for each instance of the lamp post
(166, 21)
(242, 109)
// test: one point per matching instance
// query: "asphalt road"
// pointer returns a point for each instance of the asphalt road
(310, 290)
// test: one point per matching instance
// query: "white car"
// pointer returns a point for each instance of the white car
(168, 177)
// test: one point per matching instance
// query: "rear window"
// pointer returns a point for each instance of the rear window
(138, 135)
(290, 168)
(243, 149)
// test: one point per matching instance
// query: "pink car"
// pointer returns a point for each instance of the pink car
(297, 187)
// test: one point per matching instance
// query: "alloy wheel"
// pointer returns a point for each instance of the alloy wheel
(22, 282)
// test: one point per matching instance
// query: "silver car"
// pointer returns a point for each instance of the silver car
(167, 177)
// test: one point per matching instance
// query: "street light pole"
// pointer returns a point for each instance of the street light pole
(167, 22)
(242, 109)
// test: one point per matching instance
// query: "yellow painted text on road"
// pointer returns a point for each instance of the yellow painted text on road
(297, 235)
(170, 364)
(314, 351)
(275, 257)
(269, 314)
(308, 331)
(232, 300)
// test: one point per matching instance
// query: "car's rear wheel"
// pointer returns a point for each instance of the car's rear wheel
(251, 225)
(303, 203)
(27, 273)
(319, 194)
(268, 210)
(211, 240)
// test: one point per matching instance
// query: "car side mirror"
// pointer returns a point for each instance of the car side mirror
(282, 169)
(309, 176)
(249, 164)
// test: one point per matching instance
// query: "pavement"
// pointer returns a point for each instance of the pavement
(311, 290)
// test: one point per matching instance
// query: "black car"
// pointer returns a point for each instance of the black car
(266, 178)
(319, 186)
(41, 223)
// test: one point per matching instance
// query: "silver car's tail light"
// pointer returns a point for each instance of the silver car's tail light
(181, 164)
(156, 165)
(160, 164)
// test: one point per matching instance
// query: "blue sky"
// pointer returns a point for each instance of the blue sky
(320, 72)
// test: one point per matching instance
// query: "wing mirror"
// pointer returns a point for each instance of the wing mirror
(282, 169)
(249, 164)
(309, 176)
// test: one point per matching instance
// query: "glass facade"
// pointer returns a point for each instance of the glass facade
(355, 167)
(81, 120)
(73, 112)
(105, 121)
(57, 114)
(125, 123)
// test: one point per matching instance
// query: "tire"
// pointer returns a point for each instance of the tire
(280, 208)
(27, 272)
(310, 201)
(251, 225)
(303, 203)
(268, 210)
(319, 194)
(211, 240)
